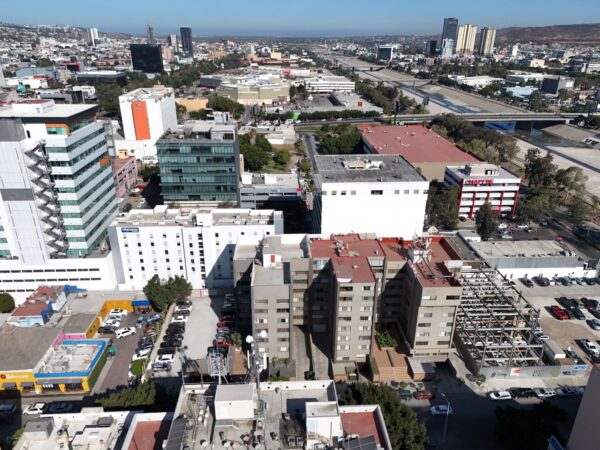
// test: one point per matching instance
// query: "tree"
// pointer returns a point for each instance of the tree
(293, 92)
(179, 288)
(385, 339)
(108, 97)
(7, 303)
(578, 210)
(537, 102)
(225, 104)
(539, 170)
(442, 206)
(147, 171)
(404, 430)
(162, 295)
(486, 221)
(528, 428)
(282, 157)
(533, 208)
(254, 158)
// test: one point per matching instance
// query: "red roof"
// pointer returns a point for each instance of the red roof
(363, 424)
(354, 268)
(345, 245)
(415, 143)
(30, 308)
(150, 435)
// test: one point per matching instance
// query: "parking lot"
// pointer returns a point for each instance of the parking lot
(117, 369)
(563, 332)
(199, 332)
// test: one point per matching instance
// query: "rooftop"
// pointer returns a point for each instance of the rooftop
(415, 143)
(23, 348)
(44, 109)
(363, 423)
(432, 259)
(71, 357)
(149, 435)
(164, 216)
(481, 170)
(520, 249)
(195, 130)
(30, 307)
(280, 180)
(153, 93)
(346, 245)
(357, 168)
(352, 269)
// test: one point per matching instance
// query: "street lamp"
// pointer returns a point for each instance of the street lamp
(446, 420)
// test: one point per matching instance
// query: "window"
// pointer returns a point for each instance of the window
(376, 192)
(343, 193)
(423, 334)
(424, 325)
(416, 191)
(429, 297)
(352, 192)
(397, 192)
(367, 288)
(443, 342)
(444, 333)
(421, 343)
(406, 191)
(425, 315)
(333, 192)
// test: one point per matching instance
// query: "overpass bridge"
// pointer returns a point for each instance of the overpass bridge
(525, 118)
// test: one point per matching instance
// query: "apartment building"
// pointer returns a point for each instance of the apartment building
(328, 84)
(197, 244)
(57, 195)
(348, 287)
(484, 183)
(486, 41)
(146, 113)
(465, 40)
(368, 194)
(199, 163)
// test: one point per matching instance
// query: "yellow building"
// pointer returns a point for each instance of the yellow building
(192, 104)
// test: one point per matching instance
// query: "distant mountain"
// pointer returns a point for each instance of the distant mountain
(588, 33)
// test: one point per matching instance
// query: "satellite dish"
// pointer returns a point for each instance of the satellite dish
(263, 334)
(249, 339)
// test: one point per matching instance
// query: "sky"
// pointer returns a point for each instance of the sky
(296, 17)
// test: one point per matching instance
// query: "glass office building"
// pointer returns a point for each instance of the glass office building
(199, 162)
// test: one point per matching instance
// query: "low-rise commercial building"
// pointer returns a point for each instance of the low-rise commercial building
(102, 76)
(553, 85)
(422, 147)
(124, 173)
(196, 244)
(476, 82)
(484, 183)
(255, 90)
(368, 194)
(327, 84)
(259, 190)
(524, 77)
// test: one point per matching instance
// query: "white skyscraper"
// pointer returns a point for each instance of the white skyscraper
(447, 48)
(173, 42)
(92, 36)
(465, 41)
(486, 41)
(57, 196)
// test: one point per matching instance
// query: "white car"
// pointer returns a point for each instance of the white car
(112, 322)
(34, 409)
(165, 358)
(124, 332)
(187, 308)
(179, 319)
(590, 348)
(441, 410)
(544, 393)
(118, 313)
(141, 354)
(499, 395)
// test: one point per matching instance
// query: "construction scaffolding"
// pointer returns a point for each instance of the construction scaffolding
(495, 324)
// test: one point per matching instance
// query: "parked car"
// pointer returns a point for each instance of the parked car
(161, 367)
(170, 344)
(578, 313)
(499, 395)
(179, 319)
(176, 326)
(140, 322)
(441, 410)
(590, 303)
(144, 345)
(106, 330)
(423, 395)
(7, 409)
(567, 392)
(570, 353)
(544, 393)
(124, 332)
(150, 333)
(34, 409)
(166, 350)
(112, 322)
(542, 281)
(521, 392)
(542, 337)
(590, 348)
(153, 319)
(559, 313)
(563, 281)
(183, 308)
(223, 331)
(141, 354)
(595, 313)
(225, 324)
(594, 324)
(165, 358)
(404, 394)
(60, 408)
(526, 282)
(566, 302)
(220, 342)
(590, 281)
(118, 313)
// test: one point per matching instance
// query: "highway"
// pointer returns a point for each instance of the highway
(441, 98)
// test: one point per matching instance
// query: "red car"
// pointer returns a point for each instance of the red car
(222, 343)
(559, 238)
(225, 324)
(559, 313)
(423, 395)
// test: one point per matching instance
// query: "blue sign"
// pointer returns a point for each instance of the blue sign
(130, 230)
